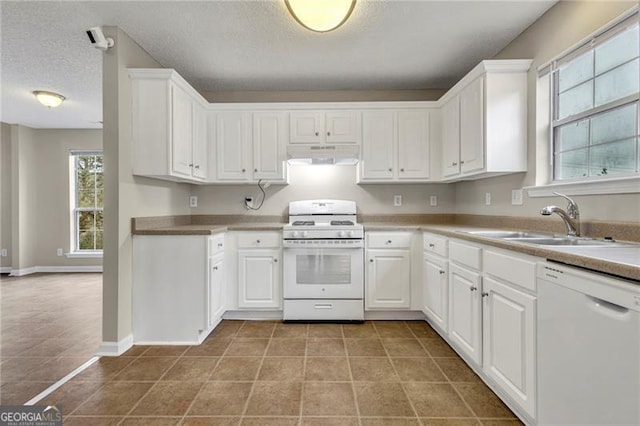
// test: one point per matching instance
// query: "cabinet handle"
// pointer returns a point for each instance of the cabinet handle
(317, 133)
(389, 241)
(441, 272)
(484, 294)
(461, 161)
(197, 166)
(328, 133)
(243, 170)
(219, 244)
(454, 164)
(390, 169)
(215, 268)
(191, 165)
(275, 260)
(473, 288)
(257, 241)
(402, 170)
(371, 260)
(255, 170)
(432, 245)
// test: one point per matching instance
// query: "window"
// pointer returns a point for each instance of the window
(87, 197)
(595, 108)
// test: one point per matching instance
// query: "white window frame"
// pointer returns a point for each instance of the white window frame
(75, 252)
(545, 183)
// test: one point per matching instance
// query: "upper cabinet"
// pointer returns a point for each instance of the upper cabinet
(248, 146)
(169, 127)
(484, 122)
(324, 127)
(396, 146)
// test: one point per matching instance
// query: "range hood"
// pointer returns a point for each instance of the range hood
(339, 155)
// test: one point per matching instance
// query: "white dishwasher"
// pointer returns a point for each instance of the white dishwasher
(588, 348)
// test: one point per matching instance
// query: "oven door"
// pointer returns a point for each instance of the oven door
(323, 273)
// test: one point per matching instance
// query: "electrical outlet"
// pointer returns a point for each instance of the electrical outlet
(193, 201)
(433, 200)
(59, 252)
(3, 253)
(487, 198)
(516, 197)
(248, 202)
(397, 200)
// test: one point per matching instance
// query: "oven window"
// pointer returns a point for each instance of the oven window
(323, 269)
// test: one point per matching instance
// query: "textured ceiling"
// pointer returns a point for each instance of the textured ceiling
(246, 45)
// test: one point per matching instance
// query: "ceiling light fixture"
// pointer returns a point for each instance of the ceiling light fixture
(49, 99)
(320, 15)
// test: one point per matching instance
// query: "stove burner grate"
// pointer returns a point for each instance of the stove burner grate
(303, 223)
(342, 222)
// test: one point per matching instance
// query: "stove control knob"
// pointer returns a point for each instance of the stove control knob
(341, 234)
(303, 233)
(294, 234)
(349, 233)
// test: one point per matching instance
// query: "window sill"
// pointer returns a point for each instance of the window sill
(626, 185)
(84, 255)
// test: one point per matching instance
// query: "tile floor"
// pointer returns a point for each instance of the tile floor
(49, 325)
(269, 373)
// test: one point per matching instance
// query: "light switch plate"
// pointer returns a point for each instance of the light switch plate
(3, 252)
(487, 198)
(516, 197)
(433, 200)
(59, 252)
(193, 201)
(397, 200)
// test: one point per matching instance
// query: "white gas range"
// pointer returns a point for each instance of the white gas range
(323, 262)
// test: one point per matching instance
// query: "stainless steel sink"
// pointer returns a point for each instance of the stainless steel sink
(509, 234)
(566, 241)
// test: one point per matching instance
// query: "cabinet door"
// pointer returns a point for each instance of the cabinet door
(378, 141)
(342, 126)
(217, 292)
(269, 144)
(388, 281)
(413, 144)
(451, 137)
(259, 279)
(465, 311)
(181, 132)
(200, 143)
(472, 127)
(233, 143)
(435, 284)
(306, 127)
(509, 341)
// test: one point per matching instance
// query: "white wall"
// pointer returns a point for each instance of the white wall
(5, 194)
(558, 29)
(335, 182)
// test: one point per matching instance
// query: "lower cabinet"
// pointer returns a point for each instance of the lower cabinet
(465, 311)
(509, 341)
(259, 278)
(388, 279)
(435, 294)
(217, 292)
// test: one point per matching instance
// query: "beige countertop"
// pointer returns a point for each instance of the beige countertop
(622, 262)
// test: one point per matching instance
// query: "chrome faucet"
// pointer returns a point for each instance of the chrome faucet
(571, 217)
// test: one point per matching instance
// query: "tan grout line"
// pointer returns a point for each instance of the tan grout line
(304, 371)
(255, 378)
(353, 384)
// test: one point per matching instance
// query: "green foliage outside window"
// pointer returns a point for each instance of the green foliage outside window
(89, 196)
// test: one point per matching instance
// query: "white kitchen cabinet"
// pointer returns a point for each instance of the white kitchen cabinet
(388, 271)
(259, 278)
(171, 289)
(249, 146)
(395, 146)
(465, 311)
(435, 294)
(167, 127)
(269, 145)
(489, 106)
(319, 127)
(451, 137)
(509, 349)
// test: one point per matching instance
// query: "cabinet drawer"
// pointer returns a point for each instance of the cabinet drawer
(512, 269)
(216, 244)
(465, 254)
(327, 309)
(389, 240)
(435, 244)
(259, 239)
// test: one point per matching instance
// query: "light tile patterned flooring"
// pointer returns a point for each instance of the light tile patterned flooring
(49, 325)
(270, 373)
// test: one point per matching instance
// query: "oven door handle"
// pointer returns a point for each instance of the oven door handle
(323, 306)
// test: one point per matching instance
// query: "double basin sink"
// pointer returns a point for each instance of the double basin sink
(545, 239)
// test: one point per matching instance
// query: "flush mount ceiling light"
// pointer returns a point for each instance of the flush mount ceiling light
(49, 99)
(320, 15)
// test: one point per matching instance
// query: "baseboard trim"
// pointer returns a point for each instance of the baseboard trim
(394, 315)
(368, 315)
(5, 269)
(115, 348)
(54, 269)
(252, 315)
